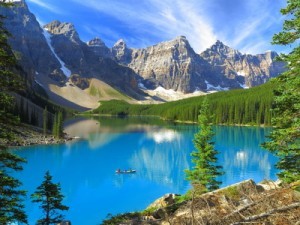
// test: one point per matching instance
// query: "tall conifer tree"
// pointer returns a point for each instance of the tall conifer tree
(48, 194)
(285, 138)
(60, 124)
(205, 171)
(11, 206)
(45, 121)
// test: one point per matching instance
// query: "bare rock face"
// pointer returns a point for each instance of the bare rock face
(175, 65)
(65, 29)
(249, 70)
(91, 60)
(68, 47)
(172, 65)
(121, 52)
(56, 52)
(82, 83)
(29, 44)
(99, 48)
(168, 64)
(157, 64)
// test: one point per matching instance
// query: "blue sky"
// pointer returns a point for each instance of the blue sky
(245, 25)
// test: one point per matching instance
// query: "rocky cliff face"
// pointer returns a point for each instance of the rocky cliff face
(121, 52)
(92, 60)
(172, 65)
(175, 65)
(69, 48)
(99, 48)
(52, 55)
(29, 44)
(249, 70)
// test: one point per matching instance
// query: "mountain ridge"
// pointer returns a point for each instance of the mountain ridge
(55, 55)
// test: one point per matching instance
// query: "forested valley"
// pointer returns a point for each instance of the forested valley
(235, 107)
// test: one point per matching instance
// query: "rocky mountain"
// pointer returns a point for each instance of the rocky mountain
(249, 70)
(175, 65)
(121, 52)
(90, 60)
(56, 59)
(28, 40)
(99, 48)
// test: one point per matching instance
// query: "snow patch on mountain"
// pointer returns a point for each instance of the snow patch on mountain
(142, 86)
(210, 87)
(63, 68)
(170, 94)
(244, 86)
(38, 83)
(241, 73)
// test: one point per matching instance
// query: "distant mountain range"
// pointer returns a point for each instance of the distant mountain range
(78, 74)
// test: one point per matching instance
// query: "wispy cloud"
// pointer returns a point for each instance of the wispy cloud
(47, 6)
(164, 19)
(102, 32)
(251, 33)
(244, 25)
(40, 21)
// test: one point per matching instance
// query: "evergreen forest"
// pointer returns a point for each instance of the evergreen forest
(235, 107)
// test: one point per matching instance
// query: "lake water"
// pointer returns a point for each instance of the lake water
(159, 151)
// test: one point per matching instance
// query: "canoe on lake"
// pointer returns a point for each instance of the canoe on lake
(125, 171)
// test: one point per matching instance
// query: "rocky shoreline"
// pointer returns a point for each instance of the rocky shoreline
(26, 135)
(246, 202)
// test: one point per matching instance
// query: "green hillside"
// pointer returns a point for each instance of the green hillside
(250, 106)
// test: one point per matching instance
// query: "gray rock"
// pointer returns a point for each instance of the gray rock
(49, 52)
(175, 65)
(159, 214)
(121, 52)
(80, 82)
(29, 44)
(248, 70)
(172, 65)
(99, 48)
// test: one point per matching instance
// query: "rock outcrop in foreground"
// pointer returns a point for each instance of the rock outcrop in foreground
(242, 203)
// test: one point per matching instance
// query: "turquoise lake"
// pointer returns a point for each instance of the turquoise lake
(159, 151)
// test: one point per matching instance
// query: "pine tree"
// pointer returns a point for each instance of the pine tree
(11, 197)
(49, 196)
(285, 138)
(205, 170)
(11, 207)
(59, 124)
(45, 121)
(54, 126)
(57, 128)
